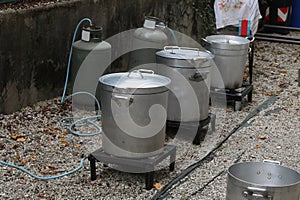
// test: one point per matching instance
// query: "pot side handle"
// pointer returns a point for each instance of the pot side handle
(251, 39)
(254, 193)
(249, 50)
(119, 98)
(206, 41)
(198, 76)
(272, 162)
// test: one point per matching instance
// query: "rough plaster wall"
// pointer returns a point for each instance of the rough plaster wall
(35, 42)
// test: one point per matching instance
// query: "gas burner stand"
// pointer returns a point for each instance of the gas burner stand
(145, 164)
(202, 127)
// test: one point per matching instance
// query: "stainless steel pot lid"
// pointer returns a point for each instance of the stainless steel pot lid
(184, 53)
(227, 39)
(138, 82)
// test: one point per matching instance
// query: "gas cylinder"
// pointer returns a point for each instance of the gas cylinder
(91, 57)
(146, 41)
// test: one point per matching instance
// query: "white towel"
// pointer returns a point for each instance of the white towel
(229, 12)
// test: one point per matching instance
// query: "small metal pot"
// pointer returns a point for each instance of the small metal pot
(230, 57)
(133, 109)
(189, 70)
(262, 180)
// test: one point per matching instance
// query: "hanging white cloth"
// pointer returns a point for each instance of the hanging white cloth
(229, 12)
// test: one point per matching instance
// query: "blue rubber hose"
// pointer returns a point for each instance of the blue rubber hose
(173, 35)
(70, 56)
(64, 98)
(72, 125)
(42, 178)
(79, 122)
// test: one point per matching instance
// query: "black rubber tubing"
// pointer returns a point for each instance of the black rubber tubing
(164, 191)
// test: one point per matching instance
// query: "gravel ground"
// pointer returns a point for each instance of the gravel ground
(35, 139)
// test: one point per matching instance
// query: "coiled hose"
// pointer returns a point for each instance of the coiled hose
(63, 121)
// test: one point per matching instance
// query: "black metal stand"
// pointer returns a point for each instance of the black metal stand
(237, 95)
(201, 126)
(145, 165)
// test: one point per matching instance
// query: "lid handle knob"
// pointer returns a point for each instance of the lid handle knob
(140, 71)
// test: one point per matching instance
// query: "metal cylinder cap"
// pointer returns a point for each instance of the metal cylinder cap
(95, 33)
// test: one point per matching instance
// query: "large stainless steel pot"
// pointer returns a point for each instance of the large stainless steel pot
(262, 180)
(189, 70)
(133, 109)
(230, 57)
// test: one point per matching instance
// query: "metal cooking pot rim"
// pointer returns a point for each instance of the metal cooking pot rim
(227, 40)
(262, 185)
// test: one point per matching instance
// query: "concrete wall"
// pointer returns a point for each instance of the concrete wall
(35, 42)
